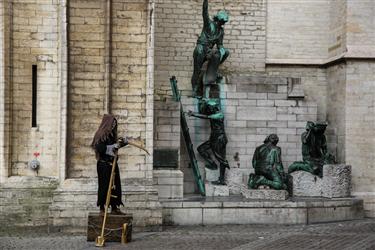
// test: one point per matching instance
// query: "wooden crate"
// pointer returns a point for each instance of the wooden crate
(113, 228)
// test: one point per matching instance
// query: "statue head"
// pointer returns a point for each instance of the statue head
(209, 106)
(320, 127)
(221, 17)
(272, 138)
(310, 125)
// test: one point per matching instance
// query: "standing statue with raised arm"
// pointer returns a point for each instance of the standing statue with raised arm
(210, 109)
(212, 34)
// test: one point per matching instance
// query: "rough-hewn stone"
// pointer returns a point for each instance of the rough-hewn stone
(335, 183)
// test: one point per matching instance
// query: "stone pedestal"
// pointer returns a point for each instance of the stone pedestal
(336, 182)
(264, 194)
(211, 175)
(216, 190)
(234, 180)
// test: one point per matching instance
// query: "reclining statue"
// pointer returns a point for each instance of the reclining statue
(314, 150)
(269, 170)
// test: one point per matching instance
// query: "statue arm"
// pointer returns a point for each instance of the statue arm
(216, 116)
(191, 113)
(206, 17)
(324, 146)
(305, 137)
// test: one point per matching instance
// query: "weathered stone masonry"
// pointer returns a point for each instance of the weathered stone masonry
(92, 60)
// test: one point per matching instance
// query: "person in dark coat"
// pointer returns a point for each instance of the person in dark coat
(106, 144)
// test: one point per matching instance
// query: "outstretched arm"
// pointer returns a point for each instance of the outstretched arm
(191, 113)
(206, 17)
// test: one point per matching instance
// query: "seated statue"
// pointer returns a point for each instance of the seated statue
(269, 170)
(314, 150)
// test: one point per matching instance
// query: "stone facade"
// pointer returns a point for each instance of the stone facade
(99, 56)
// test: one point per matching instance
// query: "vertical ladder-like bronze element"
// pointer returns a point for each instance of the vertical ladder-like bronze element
(187, 138)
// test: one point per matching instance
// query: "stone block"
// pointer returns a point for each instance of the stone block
(306, 184)
(234, 180)
(216, 190)
(211, 175)
(336, 182)
(264, 194)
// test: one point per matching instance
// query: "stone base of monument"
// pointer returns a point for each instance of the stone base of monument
(336, 182)
(114, 228)
(234, 180)
(211, 175)
(196, 210)
(264, 194)
(216, 190)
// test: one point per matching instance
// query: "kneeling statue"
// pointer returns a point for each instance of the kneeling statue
(314, 150)
(269, 170)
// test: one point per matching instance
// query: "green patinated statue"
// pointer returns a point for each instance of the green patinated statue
(269, 170)
(210, 109)
(314, 150)
(212, 34)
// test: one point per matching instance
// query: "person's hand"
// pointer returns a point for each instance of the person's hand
(122, 142)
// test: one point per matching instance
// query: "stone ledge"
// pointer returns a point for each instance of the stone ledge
(210, 211)
(264, 194)
(216, 190)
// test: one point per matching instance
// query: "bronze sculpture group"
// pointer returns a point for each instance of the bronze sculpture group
(266, 162)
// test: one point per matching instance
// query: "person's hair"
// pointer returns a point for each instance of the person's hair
(105, 130)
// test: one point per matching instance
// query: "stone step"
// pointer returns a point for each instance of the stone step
(216, 190)
(239, 210)
(264, 194)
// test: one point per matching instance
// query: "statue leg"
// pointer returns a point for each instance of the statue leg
(300, 166)
(199, 58)
(224, 55)
(219, 150)
(272, 179)
(204, 151)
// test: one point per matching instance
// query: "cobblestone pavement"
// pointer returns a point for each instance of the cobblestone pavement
(344, 236)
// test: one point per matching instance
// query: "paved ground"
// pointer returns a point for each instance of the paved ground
(343, 236)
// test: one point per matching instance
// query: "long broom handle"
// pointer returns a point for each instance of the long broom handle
(109, 193)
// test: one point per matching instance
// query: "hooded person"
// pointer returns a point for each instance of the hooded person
(106, 144)
(212, 34)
